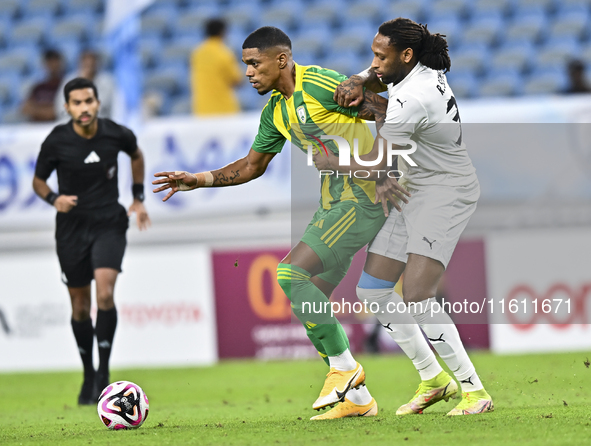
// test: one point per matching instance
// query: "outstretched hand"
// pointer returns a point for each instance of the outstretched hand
(175, 181)
(390, 190)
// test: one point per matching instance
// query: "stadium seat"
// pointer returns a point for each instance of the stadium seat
(181, 106)
(450, 26)
(71, 28)
(325, 11)
(283, 15)
(410, 9)
(249, 99)
(167, 80)
(29, 31)
(191, 23)
(77, 6)
(525, 6)
(311, 41)
(470, 57)
(528, 27)
(464, 84)
(71, 52)
(570, 23)
(354, 39)
(503, 83)
(242, 16)
(150, 50)
(440, 9)
(15, 61)
(156, 25)
(364, 12)
(345, 63)
(9, 8)
(549, 81)
(176, 51)
(41, 7)
(484, 7)
(513, 56)
(12, 115)
(9, 83)
(483, 30)
(557, 53)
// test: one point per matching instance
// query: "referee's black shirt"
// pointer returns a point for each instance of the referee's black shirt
(86, 168)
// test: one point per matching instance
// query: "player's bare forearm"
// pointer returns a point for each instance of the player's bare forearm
(373, 108)
(243, 170)
(373, 83)
(40, 187)
(137, 167)
(350, 92)
(240, 171)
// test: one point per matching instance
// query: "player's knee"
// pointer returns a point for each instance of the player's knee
(105, 299)
(410, 294)
(80, 310)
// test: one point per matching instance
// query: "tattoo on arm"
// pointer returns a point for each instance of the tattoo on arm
(373, 107)
(223, 180)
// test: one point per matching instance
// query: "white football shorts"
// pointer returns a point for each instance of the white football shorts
(430, 224)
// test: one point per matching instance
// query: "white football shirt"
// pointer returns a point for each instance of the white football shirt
(422, 108)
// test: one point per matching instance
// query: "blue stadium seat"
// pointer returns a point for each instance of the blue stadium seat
(177, 51)
(513, 56)
(345, 63)
(440, 9)
(165, 80)
(571, 23)
(501, 83)
(311, 41)
(9, 8)
(29, 31)
(527, 27)
(181, 105)
(191, 23)
(41, 7)
(150, 50)
(355, 39)
(464, 83)
(77, 6)
(207, 9)
(484, 7)
(12, 115)
(5, 28)
(548, 81)
(9, 83)
(235, 38)
(410, 9)
(470, 57)
(306, 58)
(484, 30)
(557, 53)
(282, 14)
(242, 16)
(450, 26)
(522, 7)
(71, 28)
(196, 3)
(364, 12)
(327, 12)
(157, 25)
(17, 61)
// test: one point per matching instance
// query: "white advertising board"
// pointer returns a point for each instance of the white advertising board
(540, 282)
(164, 297)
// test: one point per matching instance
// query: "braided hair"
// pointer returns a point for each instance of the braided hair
(430, 49)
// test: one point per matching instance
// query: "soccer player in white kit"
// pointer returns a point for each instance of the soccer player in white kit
(420, 239)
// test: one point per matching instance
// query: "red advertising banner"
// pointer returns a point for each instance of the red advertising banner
(253, 314)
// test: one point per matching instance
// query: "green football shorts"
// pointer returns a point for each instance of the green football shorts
(336, 234)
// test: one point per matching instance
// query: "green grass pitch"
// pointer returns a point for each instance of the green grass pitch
(539, 400)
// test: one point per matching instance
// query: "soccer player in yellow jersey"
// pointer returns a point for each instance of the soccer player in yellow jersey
(301, 109)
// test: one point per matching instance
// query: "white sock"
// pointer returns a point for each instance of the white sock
(343, 362)
(444, 337)
(403, 329)
(359, 396)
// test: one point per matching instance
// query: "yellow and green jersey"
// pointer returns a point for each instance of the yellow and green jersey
(310, 112)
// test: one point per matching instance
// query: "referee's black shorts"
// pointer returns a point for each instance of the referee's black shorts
(89, 240)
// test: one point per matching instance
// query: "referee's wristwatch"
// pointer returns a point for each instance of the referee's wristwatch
(138, 192)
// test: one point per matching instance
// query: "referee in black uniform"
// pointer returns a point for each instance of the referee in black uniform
(90, 222)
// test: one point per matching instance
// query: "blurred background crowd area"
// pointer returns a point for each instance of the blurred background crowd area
(498, 47)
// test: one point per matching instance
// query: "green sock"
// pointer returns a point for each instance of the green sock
(311, 307)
